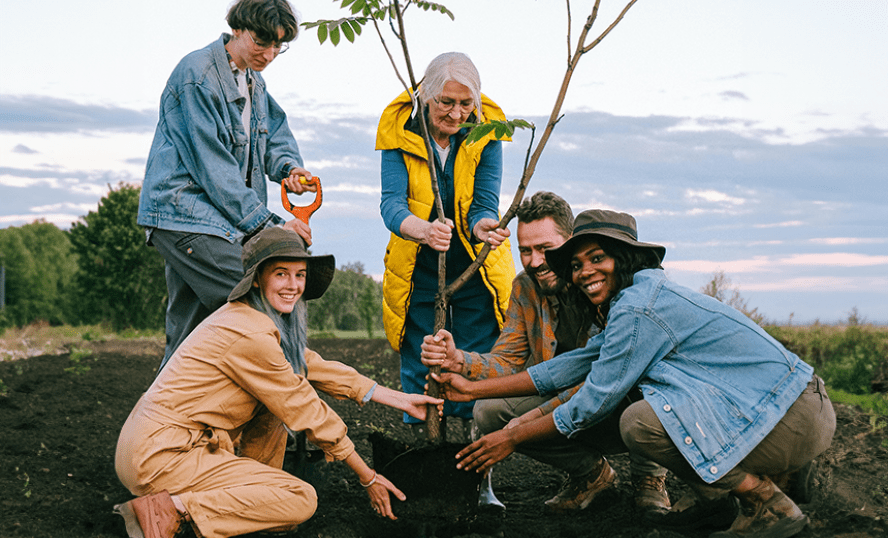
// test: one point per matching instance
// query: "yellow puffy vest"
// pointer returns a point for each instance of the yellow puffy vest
(498, 269)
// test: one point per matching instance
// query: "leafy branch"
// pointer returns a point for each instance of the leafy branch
(364, 11)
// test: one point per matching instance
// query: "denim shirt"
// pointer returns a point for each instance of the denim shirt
(195, 179)
(716, 380)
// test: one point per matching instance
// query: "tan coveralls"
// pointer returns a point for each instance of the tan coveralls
(230, 378)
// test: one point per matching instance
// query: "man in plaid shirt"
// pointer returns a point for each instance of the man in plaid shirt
(547, 316)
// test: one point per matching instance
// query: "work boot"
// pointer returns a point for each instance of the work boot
(765, 512)
(650, 493)
(694, 512)
(578, 492)
(152, 516)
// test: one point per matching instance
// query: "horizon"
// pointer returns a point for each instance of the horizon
(740, 142)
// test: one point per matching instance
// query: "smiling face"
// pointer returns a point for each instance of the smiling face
(450, 110)
(282, 282)
(593, 271)
(534, 239)
(247, 51)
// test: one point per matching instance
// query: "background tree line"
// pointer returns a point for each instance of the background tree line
(101, 272)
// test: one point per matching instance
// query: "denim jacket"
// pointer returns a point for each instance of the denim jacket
(195, 179)
(716, 380)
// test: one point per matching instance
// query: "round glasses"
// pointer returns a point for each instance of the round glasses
(279, 48)
(446, 104)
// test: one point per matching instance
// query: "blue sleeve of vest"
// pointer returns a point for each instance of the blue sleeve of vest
(488, 180)
(393, 204)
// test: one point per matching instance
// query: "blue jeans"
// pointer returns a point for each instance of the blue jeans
(201, 270)
(470, 319)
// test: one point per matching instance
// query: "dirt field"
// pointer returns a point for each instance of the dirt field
(58, 430)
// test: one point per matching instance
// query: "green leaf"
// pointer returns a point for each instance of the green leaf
(322, 33)
(334, 35)
(349, 33)
(357, 6)
(356, 26)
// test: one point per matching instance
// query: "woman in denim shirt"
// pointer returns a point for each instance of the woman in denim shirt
(725, 407)
(219, 135)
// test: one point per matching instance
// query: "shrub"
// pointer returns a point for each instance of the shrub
(845, 356)
(120, 280)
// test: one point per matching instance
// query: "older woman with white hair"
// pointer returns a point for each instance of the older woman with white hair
(468, 179)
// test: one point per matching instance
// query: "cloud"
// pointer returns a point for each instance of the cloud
(848, 240)
(35, 113)
(713, 196)
(730, 94)
(25, 150)
(834, 259)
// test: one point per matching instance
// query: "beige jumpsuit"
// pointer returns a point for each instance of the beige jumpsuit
(230, 378)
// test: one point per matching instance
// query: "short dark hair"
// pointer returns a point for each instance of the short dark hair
(546, 204)
(264, 18)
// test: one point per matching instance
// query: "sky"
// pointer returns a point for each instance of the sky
(747, 137)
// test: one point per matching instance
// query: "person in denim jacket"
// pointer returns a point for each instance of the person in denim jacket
(219, 135)
(725, 407)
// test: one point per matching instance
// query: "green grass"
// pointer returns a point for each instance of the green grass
(874, 404)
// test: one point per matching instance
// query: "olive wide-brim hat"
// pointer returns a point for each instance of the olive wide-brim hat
(619, 226)
(277, 242)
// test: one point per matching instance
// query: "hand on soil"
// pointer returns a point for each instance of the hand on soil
(379, 496)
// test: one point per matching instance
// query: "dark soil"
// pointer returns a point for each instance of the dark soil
(59, 424)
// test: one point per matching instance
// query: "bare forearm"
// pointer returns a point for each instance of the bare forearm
(519, 384)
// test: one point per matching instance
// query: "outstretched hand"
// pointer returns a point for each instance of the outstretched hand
(454, 387)
(485, 452)
(379, 496)
(417, 405)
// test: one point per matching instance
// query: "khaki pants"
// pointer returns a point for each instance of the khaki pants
(805, 431)
(576, 456)
(225, 494)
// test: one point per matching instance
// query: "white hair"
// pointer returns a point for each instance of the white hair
(454, 66)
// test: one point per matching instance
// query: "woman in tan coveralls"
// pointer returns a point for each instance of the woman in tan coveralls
(244, 375)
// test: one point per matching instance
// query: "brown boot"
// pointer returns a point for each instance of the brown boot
(650, 493)
(577, 492)
(152, 516)
(765, 512)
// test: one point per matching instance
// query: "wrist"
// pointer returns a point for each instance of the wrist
(369, 482)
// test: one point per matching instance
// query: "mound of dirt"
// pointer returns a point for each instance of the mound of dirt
(59, 421)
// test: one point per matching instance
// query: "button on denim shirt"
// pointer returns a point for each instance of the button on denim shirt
(716, 380)
(195, 176)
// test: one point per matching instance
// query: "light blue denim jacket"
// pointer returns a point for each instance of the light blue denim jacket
(716, 380)
(195, 176)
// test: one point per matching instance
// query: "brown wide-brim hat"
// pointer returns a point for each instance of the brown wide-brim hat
(601, 222)
(277, 242)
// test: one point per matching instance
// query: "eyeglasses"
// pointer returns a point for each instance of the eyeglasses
(446, 104)
(279, 48)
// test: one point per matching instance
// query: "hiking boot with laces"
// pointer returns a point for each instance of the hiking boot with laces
(765, 512)
(576, 493)
(650, 493)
